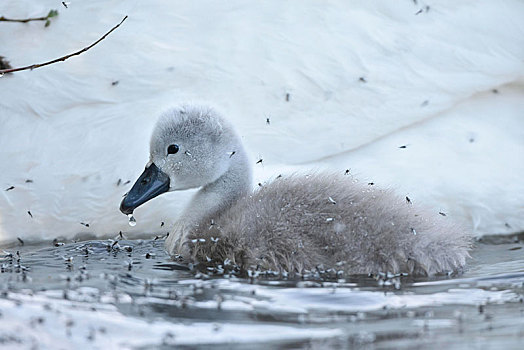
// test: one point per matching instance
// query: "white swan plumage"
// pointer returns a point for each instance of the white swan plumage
(442, 82)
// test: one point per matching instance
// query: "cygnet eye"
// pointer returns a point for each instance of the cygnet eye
(172, 149)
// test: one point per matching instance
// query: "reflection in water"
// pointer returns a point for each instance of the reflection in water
(130, 294)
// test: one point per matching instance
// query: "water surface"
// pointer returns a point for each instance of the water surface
(130, 294)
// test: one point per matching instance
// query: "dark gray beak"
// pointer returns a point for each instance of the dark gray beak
(150, 184)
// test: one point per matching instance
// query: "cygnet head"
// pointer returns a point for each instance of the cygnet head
(190, 147)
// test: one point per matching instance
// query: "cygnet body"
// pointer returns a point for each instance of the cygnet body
(295, 223)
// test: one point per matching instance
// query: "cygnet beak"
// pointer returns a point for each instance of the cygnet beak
(150, 184)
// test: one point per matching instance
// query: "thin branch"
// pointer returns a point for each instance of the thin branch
(3, 19)
(63, 58)
(51, 14)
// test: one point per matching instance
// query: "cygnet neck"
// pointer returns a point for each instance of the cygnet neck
(220, 194)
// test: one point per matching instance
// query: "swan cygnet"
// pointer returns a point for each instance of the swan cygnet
(295, 223)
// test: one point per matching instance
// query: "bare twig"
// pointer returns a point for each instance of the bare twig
(63, 58)
(51, 14)
(3, 19)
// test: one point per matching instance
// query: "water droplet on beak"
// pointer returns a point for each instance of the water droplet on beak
(132, 220)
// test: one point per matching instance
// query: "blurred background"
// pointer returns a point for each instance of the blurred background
(421, 97)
